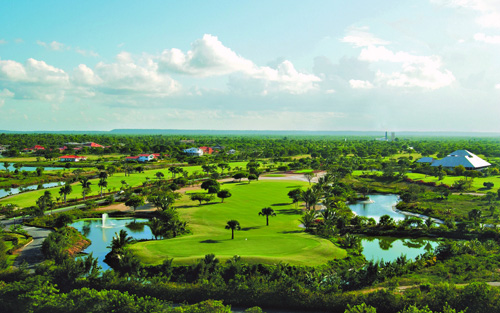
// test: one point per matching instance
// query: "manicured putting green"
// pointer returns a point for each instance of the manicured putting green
(283, 240)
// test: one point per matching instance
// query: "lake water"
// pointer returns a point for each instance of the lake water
(390, 248)
(14, 191)
(377, 206)
(27, 168)
(101, 236)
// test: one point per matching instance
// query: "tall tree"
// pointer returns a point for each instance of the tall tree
(267, 212)
(103, 183)
(65, 190)
(232, 225)
(135, 201)
(85, 186)
(6, 165)
(309, 176)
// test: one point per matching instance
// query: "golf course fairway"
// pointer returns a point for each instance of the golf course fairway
(283, 240)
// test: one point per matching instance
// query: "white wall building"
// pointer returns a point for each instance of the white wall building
(193, 151)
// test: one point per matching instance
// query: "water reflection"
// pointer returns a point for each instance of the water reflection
(101, 236)
(390, 248)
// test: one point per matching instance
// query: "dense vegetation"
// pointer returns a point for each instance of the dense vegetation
(466, 201)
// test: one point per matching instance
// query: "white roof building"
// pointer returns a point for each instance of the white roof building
(194, 151)
(462, 157)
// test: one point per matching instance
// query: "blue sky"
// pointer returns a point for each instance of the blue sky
(427, 65)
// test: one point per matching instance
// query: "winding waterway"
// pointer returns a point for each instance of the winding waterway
(14, 191)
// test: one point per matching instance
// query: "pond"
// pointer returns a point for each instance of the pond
(27, 168)
(101, 234)
(390, 248)
(377, 206)
(14, 191)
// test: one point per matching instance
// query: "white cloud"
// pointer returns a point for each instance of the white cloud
(489, 10)
(33, 71)
(86, 52)
(497, 86)
(209, 57)
(83, 75)
(126, 75)
(360, 84)
(360, 37)
(3, 41)
(54, 45)
(416, 71)
(487, 39)
(4, 94)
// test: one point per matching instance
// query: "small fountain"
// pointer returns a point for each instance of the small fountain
(104, 218)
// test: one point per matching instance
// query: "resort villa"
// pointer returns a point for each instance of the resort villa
(468, 160)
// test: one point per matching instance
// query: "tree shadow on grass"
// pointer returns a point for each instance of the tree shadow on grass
(230, 182)
(210, 241)
(290, 211)
(251, 228)
(296, 186)
(280, 204)
(185, 206)
(291, 231)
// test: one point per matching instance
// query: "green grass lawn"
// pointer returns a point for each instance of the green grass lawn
(114, 183)
(273, 175)
(283, 240)
(304, 171)
(477, 185)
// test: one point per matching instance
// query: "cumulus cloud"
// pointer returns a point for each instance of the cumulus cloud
(34, 80)
(360, 84)
(32, 71)
(489, 10)
(126, 75)
(487, 39)
(361, 37)
(84, 75)
(416, 71)
(209, 57)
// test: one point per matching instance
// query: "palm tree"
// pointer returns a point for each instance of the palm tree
(232, 225)
(120, 240)
(6, 165)
(157, 227)
(102, 183)
(267, 212)
(65, 190)
(85, 186)
(310, 198)
(308, 219)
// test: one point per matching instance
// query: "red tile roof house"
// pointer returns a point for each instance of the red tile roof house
(207, 150)
(35, 148)
(72, 158)
(92, 145)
